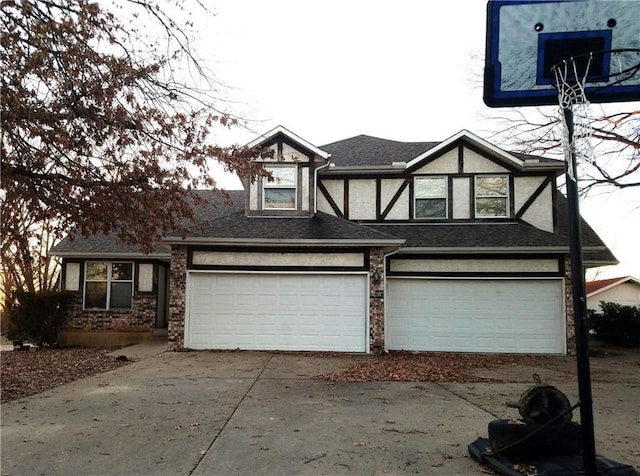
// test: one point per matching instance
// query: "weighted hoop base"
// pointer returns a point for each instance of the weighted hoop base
(544, 465)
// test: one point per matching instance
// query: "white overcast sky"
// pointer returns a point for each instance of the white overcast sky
(409, 70)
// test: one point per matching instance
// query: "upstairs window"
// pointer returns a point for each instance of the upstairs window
(279, 192)
(492, 196)
(108, 285)
(430, 197)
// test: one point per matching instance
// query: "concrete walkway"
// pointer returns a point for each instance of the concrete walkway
(144, 350)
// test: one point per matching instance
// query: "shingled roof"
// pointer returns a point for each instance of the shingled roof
(218, 204)
(366, 150)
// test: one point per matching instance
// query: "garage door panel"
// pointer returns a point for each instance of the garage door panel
(475, 315)
(276, 312)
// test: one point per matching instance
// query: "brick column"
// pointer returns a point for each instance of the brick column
(177, 297)
(376, 300)
(568, 293)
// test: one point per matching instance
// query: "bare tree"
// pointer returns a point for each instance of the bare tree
(615, 160)
(105, 124)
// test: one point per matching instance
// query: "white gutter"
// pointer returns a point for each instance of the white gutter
(501, 250)
(110, 255)
(283, 241)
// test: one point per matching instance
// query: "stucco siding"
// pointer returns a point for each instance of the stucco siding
(290, 154)
(461, 198)
(445, 164)
(242, 258)
(539, 213)
(474, 265)
(388, 188)
(523, 188)
(304, 189)
(400, 210)
(362, 199)
(336, 191)
(253, 195)
(474, 163)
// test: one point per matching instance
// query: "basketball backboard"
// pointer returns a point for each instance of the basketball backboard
(526, 38)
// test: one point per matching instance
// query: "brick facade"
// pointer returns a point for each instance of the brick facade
(108, 327)
(376, 300)
(141, 316)
(177, 297)
(568, 294)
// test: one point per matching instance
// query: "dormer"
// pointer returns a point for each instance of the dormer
(293, 164)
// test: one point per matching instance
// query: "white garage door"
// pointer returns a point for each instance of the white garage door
(254, 311)
(525, 316)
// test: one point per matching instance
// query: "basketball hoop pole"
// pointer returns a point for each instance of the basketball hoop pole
(579, 302)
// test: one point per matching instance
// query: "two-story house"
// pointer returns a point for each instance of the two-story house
(362, 245)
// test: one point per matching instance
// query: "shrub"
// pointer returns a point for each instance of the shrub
(616, 324)
(37, 317)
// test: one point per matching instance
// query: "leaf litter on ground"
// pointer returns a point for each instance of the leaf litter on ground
(28, 372)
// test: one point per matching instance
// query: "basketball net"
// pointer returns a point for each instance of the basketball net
(571, 95)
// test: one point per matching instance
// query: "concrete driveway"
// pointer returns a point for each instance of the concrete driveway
(207, 413)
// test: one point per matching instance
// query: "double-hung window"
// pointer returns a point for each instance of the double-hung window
(430, 197)
(279, 192)
(492, 196)
(108, 285)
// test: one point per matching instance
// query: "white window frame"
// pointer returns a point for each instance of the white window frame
(505, 197)
(109, 280)
(266, 184)
(416, 197)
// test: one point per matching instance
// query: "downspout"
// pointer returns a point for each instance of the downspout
(384, 304)
(315, 185)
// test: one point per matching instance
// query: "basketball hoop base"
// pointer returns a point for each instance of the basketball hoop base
(544, 465)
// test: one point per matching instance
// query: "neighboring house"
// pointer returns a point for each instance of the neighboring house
(624, 291)
(362, 245)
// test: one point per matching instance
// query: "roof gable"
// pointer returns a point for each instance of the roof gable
(598, 286)
(366, 151)
(282, 131)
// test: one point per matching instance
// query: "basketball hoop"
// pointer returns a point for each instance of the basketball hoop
(575, 81)
(571, 79)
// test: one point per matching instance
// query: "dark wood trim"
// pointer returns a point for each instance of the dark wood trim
(327, 269)
(559, 258)
(329, 198)
(240, 249)
(395, 198)
(412, 199)
(534, 196)
(460, 159)
(555, 204)
(378, 198)
(508, 167)
(279, 249)
(427, 161)
(418, 274)
(346, 199)
(450, 197)
(484, 256)
(512, 198)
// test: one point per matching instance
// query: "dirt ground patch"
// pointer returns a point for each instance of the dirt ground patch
(26, 373)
